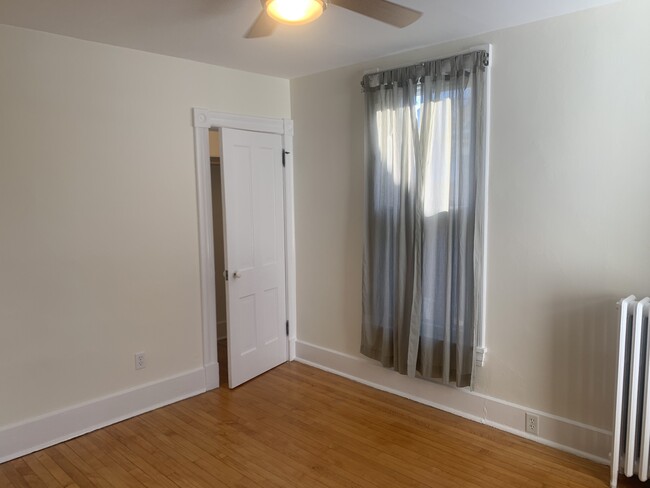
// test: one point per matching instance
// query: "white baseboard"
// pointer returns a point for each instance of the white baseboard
(212, 376)
(38, 433)
(561, 433)
(292, 348)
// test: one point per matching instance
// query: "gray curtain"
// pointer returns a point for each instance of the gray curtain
(423, 259)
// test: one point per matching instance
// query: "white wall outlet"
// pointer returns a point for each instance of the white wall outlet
(532, 423)
(139, 360)
(479, 357)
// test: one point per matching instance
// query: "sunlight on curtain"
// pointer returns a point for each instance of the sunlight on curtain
(434, 201)
(437, 176)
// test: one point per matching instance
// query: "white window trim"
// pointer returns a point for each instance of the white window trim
(481, 343)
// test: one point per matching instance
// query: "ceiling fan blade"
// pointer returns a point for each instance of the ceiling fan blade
(382, 10)
(262, 27)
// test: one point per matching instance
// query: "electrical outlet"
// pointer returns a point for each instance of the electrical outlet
(532, 423)
(139, 360)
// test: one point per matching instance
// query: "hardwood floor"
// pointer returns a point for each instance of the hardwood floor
(299, 426)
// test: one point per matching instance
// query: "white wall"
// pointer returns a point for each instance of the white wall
(568, 204)
(99, 254)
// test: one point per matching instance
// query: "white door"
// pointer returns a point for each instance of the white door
(253, 200)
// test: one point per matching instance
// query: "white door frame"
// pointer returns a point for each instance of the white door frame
(203, 121)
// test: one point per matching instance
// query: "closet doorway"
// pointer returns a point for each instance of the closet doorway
(219, 260)
(260, 311)
(248, 234)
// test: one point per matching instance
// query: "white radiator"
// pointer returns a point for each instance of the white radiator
(631, 436)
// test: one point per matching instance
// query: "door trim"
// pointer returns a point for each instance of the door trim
(203, 121)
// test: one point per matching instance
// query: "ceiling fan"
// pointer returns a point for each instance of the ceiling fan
(295, 12)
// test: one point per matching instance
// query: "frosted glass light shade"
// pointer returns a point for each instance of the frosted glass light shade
(295, 12)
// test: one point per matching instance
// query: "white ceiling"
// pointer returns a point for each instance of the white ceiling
(211, 30)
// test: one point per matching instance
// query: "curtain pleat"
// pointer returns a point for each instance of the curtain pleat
(423, 261)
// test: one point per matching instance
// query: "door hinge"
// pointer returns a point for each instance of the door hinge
(287, 328)
(284, 157)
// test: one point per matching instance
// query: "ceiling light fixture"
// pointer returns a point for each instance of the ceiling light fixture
(295, 12)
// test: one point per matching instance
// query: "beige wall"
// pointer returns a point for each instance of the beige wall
(99, 254)
(568, 203)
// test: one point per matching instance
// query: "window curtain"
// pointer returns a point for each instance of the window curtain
(423, 243)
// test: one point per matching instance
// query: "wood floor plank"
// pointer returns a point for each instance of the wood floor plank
(4, 479)
(86, 464)
(337, 464)
(234, 457)
(297, 426)
(54, 469)
(323, 470)
(211, 465)
(92, 447)
(227, 434)
(74, 471)
(172, 467)
(39, 470)
(14, 477)
(31, 478)
(115, 459)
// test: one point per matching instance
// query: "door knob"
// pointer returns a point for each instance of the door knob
(236, 274)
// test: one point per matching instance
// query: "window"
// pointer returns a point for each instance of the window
(424, 234)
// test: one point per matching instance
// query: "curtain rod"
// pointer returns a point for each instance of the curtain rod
(485, 61)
